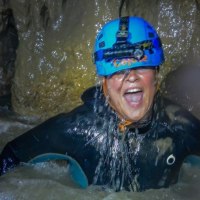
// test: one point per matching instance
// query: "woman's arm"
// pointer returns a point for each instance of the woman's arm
(49, 137)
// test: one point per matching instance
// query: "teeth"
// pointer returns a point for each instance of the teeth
(133, 90)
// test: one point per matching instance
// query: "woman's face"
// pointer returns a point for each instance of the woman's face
(131, 92)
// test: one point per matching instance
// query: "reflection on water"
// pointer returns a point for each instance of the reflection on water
(52, 181)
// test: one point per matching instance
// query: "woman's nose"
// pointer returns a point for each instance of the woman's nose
(132, 76)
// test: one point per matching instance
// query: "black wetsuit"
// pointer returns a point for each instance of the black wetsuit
(145, 156)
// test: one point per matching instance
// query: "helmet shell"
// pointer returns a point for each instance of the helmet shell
(139, 31)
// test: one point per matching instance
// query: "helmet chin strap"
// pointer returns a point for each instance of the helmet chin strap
(123, 122)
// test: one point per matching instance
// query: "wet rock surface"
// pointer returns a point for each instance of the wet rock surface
(53, 64)
(183, 86)
(8, 46)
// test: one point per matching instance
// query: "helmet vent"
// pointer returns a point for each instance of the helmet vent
(151, 35)
(100, 36)
(101, 44)
(149, 27)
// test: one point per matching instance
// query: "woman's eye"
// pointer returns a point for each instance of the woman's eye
(121, 72)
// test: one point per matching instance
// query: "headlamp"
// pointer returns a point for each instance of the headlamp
(123, 50)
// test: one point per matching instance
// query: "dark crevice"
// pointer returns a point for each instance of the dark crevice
(120, 7)
(44, 14)
(8, 45)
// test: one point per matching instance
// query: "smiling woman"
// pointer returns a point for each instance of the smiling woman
(129, 65)
(131, 93)
(126, 136)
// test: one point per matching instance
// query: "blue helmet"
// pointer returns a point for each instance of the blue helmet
(125, 43)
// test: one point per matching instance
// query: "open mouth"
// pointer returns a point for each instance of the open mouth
(134, 96)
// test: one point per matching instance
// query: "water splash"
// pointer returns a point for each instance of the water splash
(118, 151)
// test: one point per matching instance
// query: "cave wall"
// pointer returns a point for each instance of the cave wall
(8, 46)
(53, 65)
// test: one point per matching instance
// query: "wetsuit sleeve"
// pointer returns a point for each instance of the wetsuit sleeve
(7, 160)
(183, 124)
(51, 136)
(195, 137)
(191, 127)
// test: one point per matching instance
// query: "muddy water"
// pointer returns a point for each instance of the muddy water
(52, 181)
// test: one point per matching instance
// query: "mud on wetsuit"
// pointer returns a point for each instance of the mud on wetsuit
(145, 157)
